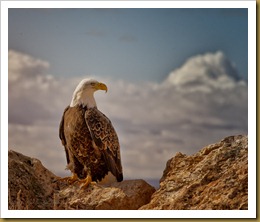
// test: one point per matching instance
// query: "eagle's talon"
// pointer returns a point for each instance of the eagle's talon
(70, 180)
(85, 183)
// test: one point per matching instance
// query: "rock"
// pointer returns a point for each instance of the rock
(30, 184)
(214, 178)
(126, 195)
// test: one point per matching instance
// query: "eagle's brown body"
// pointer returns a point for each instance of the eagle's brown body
(91, 143)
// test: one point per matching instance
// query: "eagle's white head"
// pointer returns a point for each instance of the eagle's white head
(84, 93)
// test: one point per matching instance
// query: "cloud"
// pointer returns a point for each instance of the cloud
(153, 120)
(24, 66)
(205, 72)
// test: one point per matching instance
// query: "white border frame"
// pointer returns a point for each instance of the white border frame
(250, 213)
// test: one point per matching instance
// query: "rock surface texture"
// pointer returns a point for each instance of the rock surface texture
(126, 195)
(214, 178)
(30, 184)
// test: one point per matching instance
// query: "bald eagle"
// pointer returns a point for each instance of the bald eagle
(89, 138)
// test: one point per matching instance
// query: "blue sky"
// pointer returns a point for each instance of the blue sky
(128, 44)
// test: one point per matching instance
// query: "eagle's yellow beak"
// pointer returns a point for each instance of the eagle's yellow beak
(101, 86)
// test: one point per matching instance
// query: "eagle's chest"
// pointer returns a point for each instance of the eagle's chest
(75, 127)
(74, 121)
(79, 140)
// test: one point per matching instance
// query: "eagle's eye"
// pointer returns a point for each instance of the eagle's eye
(92, 84)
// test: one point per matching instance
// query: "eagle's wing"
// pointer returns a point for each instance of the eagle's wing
(62, 136)
(105, 138)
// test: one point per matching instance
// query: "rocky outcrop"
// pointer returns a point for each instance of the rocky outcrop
(31, 186)
(126, 195)
(214, 178)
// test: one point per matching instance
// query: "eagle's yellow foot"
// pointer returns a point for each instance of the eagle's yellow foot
(70, 179)
(86, 182)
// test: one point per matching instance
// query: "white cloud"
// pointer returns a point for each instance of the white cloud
(204, 72)
(153, 121)
(24, 66)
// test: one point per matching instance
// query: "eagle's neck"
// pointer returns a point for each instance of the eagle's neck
(86, 99)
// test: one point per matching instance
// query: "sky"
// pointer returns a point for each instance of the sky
(130, 44)
(177, 79)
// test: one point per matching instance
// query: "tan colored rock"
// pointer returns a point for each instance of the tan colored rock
(126, 195)
(214, 178)
(30, 184)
